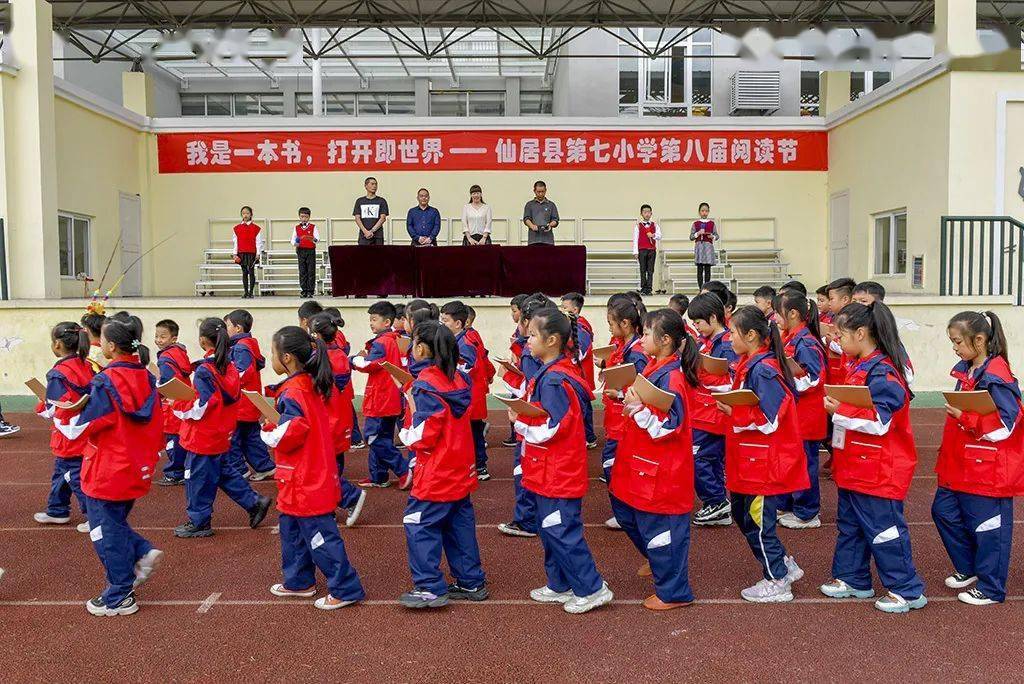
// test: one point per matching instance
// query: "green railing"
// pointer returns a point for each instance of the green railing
(982, 255)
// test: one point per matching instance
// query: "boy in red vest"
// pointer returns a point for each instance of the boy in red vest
(173, 362)
(646, 235)
(305, 238)
(247, 446)
(247, 244)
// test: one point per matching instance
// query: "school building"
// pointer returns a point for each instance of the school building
(886, 154)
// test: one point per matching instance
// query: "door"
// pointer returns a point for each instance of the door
(130, 213)
(839, 235)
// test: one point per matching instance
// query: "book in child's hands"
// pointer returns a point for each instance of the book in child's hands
(263, 405)
(403, 344)
(619, 377)
(740, 397)
(152, 368)
(653, 395)
(507, 365)
(603, 353)
(37, 388)
(976, 402)
(176, 390)
(857, 396)
(521, 407)
(795, 368)
(72, 405)
(400, 375)
(714, 365)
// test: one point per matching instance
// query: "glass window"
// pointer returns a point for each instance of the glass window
(73, 245)
(272, 104)
(657, 79)
(218, 105)
(372, 104)
(303, 104)
(882, 244)
(535, 102)
(676, 83)
(700, 97)
(629, 76)
(678, 74)
(401, 104)
(900, 243)
(487, 104)
(880, 78)
(340, 104)
(447, 104)
(247, 105)
(64, 235)
(810, 93)
(193, 104)
(891, 244)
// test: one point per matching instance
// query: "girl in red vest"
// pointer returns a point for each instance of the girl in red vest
(439, 516)
(307, 476)
(801, 339)
(981, 463)
(554, 461)
(764, 456)
(247, 242)
(872, 464)
(67, 381)
(327, 327)
(123, 429)
(208, 422)
(652, 487)
(626, 325)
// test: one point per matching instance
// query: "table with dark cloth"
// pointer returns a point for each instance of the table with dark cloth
(457, 271)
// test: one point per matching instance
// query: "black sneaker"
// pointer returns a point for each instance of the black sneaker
(6, 429)
(169, 481)
(458, 593)
(592, 445)
(258, 512)
(190, 529)
(509, 442)
(98, 607)
(715, 514)
(514, 529)
(359, 445)
(421, 598)
(482, 474)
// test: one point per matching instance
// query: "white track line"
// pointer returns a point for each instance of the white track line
(206, 605)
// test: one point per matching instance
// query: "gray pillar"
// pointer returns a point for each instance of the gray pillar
(421, 88)
(512, 88)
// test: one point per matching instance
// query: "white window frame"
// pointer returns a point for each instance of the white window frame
(650, 38)
(891, 271)
(75, 268)
(869, 82)
(231, 98)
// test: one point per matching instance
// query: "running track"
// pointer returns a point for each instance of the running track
(207, 613)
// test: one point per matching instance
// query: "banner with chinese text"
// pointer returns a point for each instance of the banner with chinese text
(492, 150)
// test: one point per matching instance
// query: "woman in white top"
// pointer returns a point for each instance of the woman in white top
(476, 219)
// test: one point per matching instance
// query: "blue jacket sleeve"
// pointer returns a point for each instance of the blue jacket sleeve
(241, 357)
(410, 224)
(56, 385)
(166, 369)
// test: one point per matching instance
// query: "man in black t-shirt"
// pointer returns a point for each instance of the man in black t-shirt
(370, 214)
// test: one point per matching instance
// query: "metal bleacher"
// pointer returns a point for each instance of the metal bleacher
(748, 255)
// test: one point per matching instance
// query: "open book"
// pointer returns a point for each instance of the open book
(740, 397)
(976, 402)
(652, 395)
(858, 396)
(176, 390)
(521, 407)
(263, 405)
(400, 375)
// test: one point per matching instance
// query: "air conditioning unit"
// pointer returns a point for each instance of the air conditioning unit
(755, 92)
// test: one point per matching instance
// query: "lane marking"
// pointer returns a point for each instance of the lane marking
(206, 605)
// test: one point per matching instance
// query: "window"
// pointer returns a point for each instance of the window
(228, 104)
(444, 103)
(486, 103)
(358, 104)
(73, 235)
(810, 93)
(863, 82)
(891, 243)
(467, 103)
(535, 102)
(676, 83)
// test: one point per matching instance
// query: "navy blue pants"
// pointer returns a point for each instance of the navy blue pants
(873, 527)
(65, 481)
(248, 447)
(204, 475)
(174, 469)
(479, 442)
(525, 512)
(312, 542)
(664, 540)
(449, 526)
(608, 458)
(756, 517)
(568, 562)
(709, 467)
(118, 546)
(349, 492)
(384, 455)
(806, 503)
(588, 422)
(977, 532)
(357, 436)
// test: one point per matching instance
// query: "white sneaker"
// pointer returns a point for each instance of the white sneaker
(792, 522)
(974, 597)
(260, 477)
(959, 580)
(768, 591)
(83, 527)
(894, 603)
(279, 590)
(793, 571)
(44, 519)
(612, 524)
(353, 513)
(546, 594)
(330, 603)
(581, 604)
(839, 589)
(146, 565)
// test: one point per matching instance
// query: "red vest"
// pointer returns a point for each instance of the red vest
(969, 464)
(77, 375)
(760, 464)
(305, 235)
(177, 357)
(810, 404)
(339, 403)
(245, 234)
(613, 407)
(251, 380)
(210, 435)
(651, 475)
(642, 241)
(381, 397)
(879, 465)
(703, 406)
(481, 375)
(587, 364)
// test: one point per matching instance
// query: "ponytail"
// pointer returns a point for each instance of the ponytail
(881, 324)
(215, 332)
(627, 307)
(551, 321)
(669, 322)
(779, 350)
(325, 326)
(74, 337)
(309, 351)
(747, 318)
(986, 324)
(126, 336)
(574, 339)
(690, 360)
(441, 343)
(807, 309)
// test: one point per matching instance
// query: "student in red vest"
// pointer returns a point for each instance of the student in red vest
(248, 452)
(327, 327)
(307, 477)
(572, 303)
(981, 463)
(439, 516)
(824, 309)
(122, 429)
(67, 381)
(247, 245)
(840, 293)
(515, 347)
(873, 463)
(652, 483)
(172, 361)
(207, 424)
(382, 401)
(764, 455)
(486, 373)
(455, 316)
(801, 338)
(646, 236)
(626, 324)
(554, 465)
(305, 238)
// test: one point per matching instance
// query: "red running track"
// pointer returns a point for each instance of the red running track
(207, 613)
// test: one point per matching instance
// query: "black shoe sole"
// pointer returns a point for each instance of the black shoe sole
(256, 518)
(439, 602)
(456, 595)
(193, 535)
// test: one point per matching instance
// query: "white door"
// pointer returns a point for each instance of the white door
(130, 212)
(839, 235)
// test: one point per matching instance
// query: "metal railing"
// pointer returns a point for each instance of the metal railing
(981, 255)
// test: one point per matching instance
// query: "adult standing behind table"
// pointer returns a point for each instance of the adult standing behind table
(476, 219)
(704, 233)
(541, 216)
(423, 221)
(370, 214)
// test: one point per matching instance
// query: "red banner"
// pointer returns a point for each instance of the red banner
(488, 150)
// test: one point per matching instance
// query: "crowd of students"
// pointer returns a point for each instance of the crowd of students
(749, 458)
